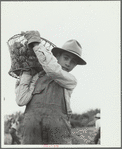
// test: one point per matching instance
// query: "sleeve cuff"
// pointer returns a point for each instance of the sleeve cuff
(26, 78)
(43, 55)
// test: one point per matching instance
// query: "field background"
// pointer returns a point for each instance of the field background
(83, 127)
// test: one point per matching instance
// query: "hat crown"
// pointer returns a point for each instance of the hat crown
(73, 46)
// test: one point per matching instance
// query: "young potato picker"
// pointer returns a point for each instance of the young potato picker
(47, 94)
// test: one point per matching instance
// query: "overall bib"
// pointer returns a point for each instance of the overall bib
(46, 120)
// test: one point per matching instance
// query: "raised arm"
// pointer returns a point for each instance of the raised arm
(53, 69)
(49, 62)
(24, 89)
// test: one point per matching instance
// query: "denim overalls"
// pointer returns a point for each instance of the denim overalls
(46, 120)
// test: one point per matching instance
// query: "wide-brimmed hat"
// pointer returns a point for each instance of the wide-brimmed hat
(73, 47)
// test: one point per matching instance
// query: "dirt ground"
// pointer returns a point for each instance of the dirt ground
(83, 135)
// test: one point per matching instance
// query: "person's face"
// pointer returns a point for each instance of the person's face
(67, 61)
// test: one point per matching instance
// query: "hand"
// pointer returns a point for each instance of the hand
(32, 37)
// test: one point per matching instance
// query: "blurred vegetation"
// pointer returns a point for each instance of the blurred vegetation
(84, 119)
(17, 116)
(77, 120)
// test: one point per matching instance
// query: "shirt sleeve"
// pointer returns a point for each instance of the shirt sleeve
(24, 90)
(53, 69)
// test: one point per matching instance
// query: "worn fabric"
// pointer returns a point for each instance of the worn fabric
(46, 120)
(47, 91)
(47, 129)
(47, 99)
(53, 70)
(32, 36)
(25, 89)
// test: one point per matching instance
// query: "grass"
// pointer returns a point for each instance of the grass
(7, 139)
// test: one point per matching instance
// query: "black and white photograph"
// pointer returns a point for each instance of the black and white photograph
(60, 74)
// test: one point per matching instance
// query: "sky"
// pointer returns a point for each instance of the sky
(95, 24)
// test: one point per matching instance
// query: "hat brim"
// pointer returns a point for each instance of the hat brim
(80, 61)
